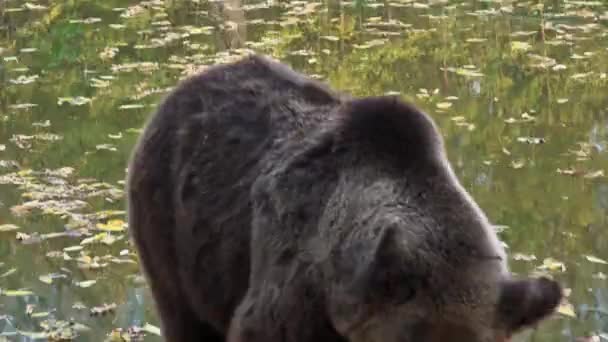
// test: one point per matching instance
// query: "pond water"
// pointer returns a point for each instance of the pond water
(518, 88)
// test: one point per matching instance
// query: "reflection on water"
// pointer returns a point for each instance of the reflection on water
(518, 89)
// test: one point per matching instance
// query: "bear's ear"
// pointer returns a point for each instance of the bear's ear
(385, 276)
(525, 302)
(373, 272)
(391, 127)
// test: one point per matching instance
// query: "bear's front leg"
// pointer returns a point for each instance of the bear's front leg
(282, 315)
(255, 321)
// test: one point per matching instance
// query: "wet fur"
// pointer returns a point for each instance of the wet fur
(266, 207)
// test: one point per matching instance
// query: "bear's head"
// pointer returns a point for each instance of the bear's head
(418, 261)
(394, 295)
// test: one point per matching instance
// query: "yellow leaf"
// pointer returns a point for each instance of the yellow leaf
(116, 225)
(444, 105)
(17, 293)
(520, 46)
(94, 238)
(40, 314)
(115, 336)
(566, 309)
(553, 265)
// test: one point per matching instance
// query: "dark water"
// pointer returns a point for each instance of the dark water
(519, 89)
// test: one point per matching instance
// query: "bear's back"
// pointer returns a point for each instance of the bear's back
(219, 129)
(253, 90)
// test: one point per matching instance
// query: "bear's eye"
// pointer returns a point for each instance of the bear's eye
(401, 288)
(396, 286)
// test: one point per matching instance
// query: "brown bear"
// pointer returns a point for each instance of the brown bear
(266, 207)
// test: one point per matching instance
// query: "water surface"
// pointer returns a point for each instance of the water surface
(518, 88)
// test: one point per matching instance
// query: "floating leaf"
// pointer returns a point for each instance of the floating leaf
(73, 248)
(94, 238)
(53, 235)
(499, 228)
(34, 7)
(444, 105)
(330, 38)
(41, 314)
(75, 101)
(468, 72)
(518, 164)
(8, 273)
(581, 76)
(559, 67)
(131, 106)
(16, 293)
(86, 262)
(86, 283)
(104, 237)
(112, 226)
(596, 260)
(569, 172)
(35, 335)
(79, 306)
(524, 257)
(594, 174)
(49, 278)
(552, 264)
(103, 309)
(108, 147)
(46, 123)
(90, 20)
(27, 238)
(566, 309)
(22, 79)
(152, 329)
(531, 140)
(134, 130)
(8, 227)
(118, 335)
(520, 46)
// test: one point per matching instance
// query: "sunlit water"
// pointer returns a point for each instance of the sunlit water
(518, 89)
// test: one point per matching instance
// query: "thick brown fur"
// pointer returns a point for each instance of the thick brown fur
(266, 207)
